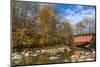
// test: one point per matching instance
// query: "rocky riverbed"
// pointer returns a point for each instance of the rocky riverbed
(54, 55)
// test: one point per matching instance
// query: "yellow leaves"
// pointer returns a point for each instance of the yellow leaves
(46, 28)
(41, 41)
(20, 37)
(46, 15)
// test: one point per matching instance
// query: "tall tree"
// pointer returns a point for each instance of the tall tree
(67, 33)
(85, 26)
(45, 20)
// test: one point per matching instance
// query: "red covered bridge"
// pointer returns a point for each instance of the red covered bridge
(83, 38)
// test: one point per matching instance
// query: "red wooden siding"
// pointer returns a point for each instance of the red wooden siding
(82, 39)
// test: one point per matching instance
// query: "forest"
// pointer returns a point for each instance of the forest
(37, 26)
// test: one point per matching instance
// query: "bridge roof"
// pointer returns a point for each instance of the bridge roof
(82, 39)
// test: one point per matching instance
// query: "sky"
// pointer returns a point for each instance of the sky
(74, 13)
